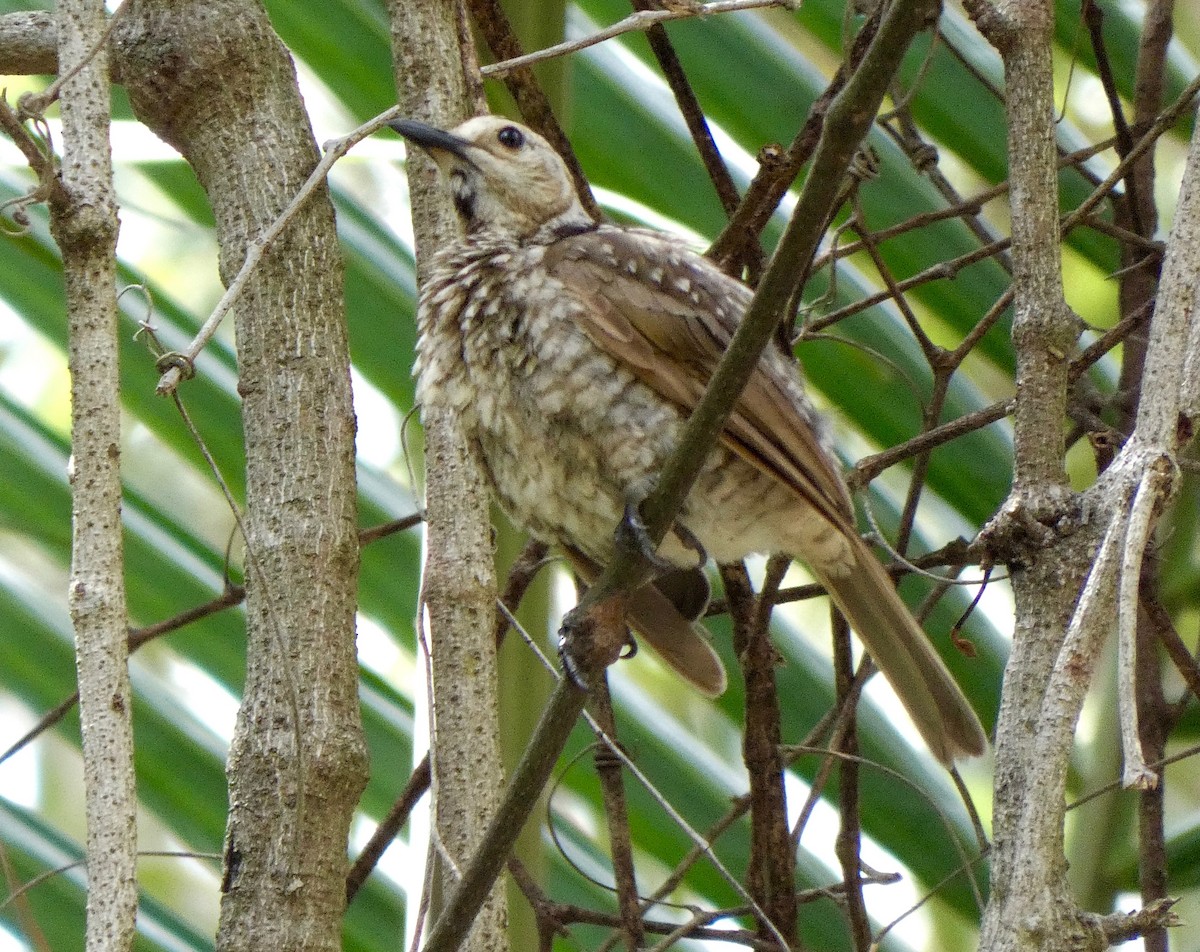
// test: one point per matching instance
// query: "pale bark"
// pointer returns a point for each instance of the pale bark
(213, 80)
(1072, 558)
(84, 222)
(1031, 906)
(438, 83)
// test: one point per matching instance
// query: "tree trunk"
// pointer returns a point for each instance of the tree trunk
(214, 81)
(84, 223)
(438, 82)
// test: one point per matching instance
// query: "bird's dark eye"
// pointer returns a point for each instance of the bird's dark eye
(510, 137)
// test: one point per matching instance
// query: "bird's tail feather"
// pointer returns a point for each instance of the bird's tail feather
(683, 644)
(666, 618)
(903, 652)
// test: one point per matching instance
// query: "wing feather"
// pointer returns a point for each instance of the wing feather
(669, 315)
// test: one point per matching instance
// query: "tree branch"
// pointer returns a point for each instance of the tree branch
(435, 76)
(84, 223)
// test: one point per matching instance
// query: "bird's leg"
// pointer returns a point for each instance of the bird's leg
(578, 654)
(631, 536)
(594, 635)
(685, 588)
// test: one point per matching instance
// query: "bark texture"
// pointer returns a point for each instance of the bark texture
(212, 79)
(438, 83)
(84, 223)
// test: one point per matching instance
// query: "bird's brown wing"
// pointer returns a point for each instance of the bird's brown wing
(669, 315)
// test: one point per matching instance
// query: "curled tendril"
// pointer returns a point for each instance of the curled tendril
(174, 360)
(20, 215)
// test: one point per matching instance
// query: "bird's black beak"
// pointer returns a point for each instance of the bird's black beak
(430, 138)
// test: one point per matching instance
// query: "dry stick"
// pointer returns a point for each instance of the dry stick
(920, 465)
(1137, 293)
(966, 863)
(925, 159)
(742, 938)
(562, 913)
(689, 108)
(772, 865)
(950, 269)
(1152, 246)
(521, 575)
(1186, 754)
(869, 467)
(545, 910)
(778, 168)
(233, 595)
(1161, 124)
(389, 827)
(524, 569)
(869, 242)
(848, 845)
(1150, 492)
(924, 899)
(385, 529)
(1157, 720)
(23, 914)
(837, 723)
(934, 357)
(697, 839)
(941, 270)
(1179, 653)
(965, 208)
(182, 364)
(1093, 17)
(608, 767)
(635, 22)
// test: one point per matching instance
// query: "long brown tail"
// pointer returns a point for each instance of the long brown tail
(942, 713)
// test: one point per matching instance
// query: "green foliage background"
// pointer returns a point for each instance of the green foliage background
(756, 76)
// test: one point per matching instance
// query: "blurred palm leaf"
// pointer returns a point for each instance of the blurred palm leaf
(756, 76)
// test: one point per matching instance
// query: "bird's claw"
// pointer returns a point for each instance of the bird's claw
(571, 667)
(688, 539)
(575, 665)
(631, 534)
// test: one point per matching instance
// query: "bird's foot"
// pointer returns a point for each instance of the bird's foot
(594, 635)
(631, 536)
(688, 540)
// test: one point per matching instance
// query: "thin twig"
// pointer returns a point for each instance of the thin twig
(368, 858)
(182, 364)
(1153, 488)
(635, 22)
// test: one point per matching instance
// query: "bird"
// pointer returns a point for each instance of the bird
(571, 352)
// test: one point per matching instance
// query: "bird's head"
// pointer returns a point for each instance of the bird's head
(503, 177)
